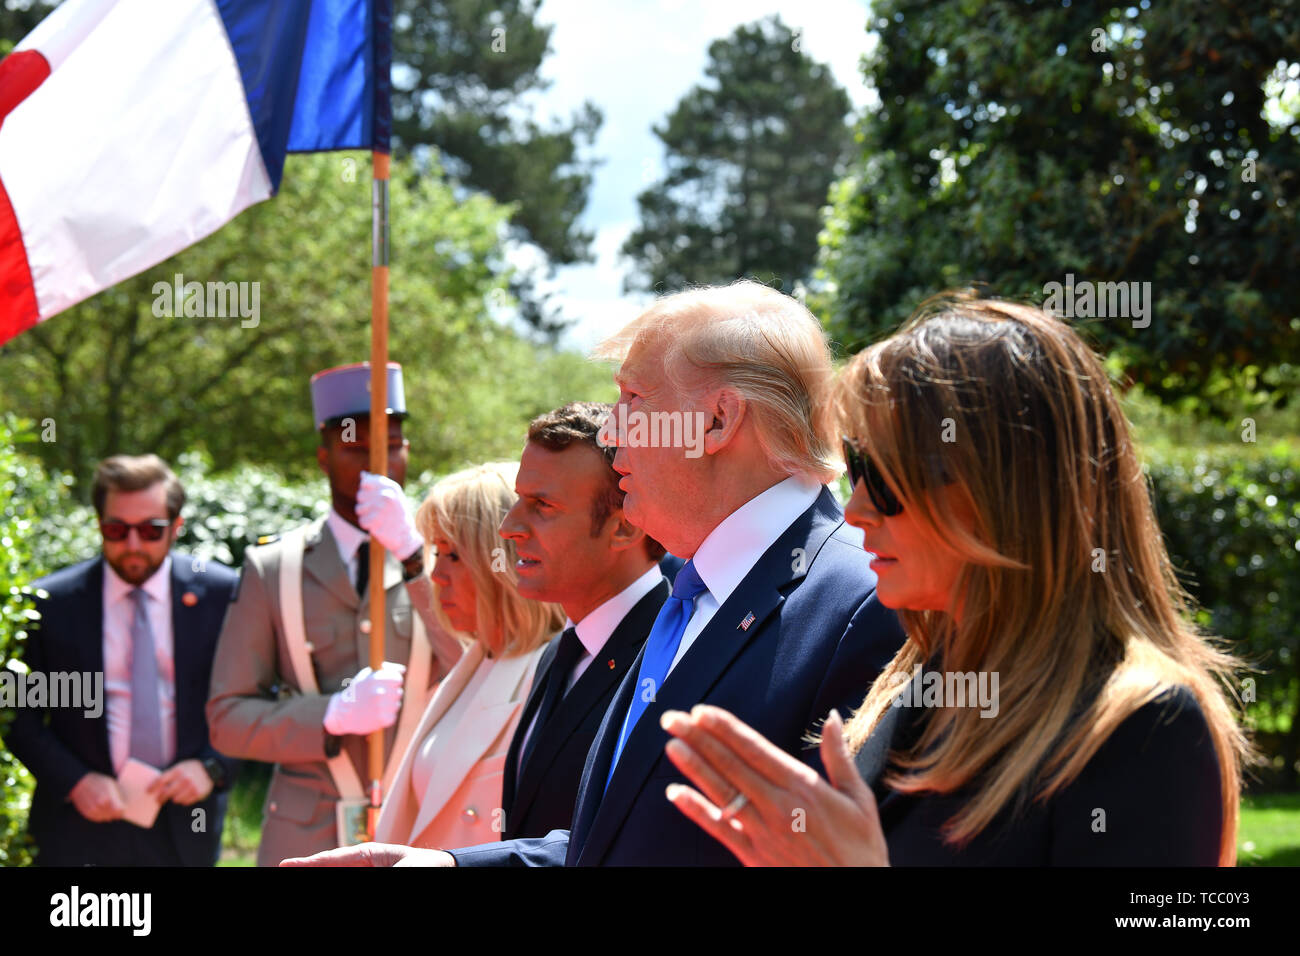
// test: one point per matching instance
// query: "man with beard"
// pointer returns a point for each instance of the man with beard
(142, 621)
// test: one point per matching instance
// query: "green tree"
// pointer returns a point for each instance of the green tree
(750, 155)
(117, 374)
(1017, 144)
(464, 70)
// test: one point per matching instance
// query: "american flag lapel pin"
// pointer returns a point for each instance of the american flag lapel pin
(749, 619)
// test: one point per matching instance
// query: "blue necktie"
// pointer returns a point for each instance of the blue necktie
(660, 649)
(146, 715)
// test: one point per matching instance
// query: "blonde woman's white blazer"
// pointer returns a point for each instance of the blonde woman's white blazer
(461, 804)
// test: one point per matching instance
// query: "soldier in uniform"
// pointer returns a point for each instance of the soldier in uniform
(290, 682)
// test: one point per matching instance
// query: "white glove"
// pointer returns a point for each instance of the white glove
(369, 703)
(382, 511)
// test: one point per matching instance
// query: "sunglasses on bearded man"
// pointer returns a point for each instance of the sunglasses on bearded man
(151, 530)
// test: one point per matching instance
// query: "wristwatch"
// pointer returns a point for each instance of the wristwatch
(413, 566)
(216, 771)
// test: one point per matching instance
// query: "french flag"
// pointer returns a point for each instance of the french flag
(130, 129)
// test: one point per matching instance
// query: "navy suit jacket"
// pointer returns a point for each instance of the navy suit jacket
(61, 745)
(817, 640)
(541, 799)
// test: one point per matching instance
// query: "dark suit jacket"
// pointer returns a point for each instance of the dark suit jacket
(61, 745)
(817, 640)
(1150, 796)
(542, 799)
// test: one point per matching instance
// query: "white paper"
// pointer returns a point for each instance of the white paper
(141, 807)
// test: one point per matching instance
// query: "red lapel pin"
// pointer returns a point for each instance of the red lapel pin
(611, 663)
(189, 599)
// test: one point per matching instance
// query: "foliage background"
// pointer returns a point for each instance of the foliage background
(114, 376)
(1019, 142)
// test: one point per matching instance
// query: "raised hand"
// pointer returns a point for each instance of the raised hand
(764, 805)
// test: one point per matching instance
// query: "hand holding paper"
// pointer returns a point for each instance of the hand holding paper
(134, 782)
(97, 798)
(185, 783)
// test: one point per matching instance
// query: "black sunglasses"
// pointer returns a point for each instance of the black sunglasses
(151, 530)
(862, 468)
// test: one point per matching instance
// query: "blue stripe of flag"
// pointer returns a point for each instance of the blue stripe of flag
(315, 72)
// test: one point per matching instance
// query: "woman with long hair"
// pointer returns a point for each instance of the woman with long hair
(1053, 703)
(447, 790)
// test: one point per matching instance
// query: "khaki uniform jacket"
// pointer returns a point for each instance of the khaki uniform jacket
(255, 709)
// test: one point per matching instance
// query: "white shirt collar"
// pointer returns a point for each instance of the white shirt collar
(158, 586)
(598, 626)
(346, 535)
(733, 548)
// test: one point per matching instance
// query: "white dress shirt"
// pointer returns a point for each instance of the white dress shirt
(594, 632)
(349, 538)
(119, 614)
(733, 548)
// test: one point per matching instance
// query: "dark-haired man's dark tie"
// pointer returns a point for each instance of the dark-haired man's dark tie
(363, 567)
(566, 655)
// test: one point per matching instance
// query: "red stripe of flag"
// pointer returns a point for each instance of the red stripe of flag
(20, 73)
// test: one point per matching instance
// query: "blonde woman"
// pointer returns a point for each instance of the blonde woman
(1076, 716)
(447, 791)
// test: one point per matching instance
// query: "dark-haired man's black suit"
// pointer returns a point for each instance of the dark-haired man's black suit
(542, 798)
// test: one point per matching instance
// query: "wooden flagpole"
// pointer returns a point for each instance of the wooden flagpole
(378, 449)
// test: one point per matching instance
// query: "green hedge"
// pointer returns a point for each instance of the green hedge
(26, 494)
(1232, 524)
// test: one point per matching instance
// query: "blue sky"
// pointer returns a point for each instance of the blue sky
(635, 59)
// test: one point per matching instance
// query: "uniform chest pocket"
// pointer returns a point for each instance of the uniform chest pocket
(325, 625)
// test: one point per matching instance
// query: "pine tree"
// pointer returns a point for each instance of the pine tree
(750, 155)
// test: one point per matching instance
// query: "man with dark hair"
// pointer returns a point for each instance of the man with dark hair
(577, 549)
(285, 685)
(142, 621)
(556, 430)
(580, 423)
(135, 473)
